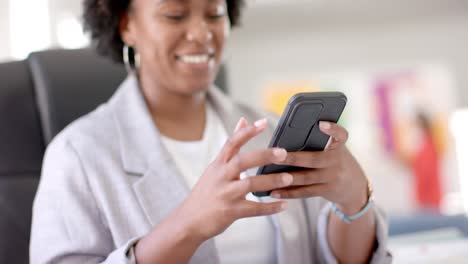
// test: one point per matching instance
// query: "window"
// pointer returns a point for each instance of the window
(29, 27)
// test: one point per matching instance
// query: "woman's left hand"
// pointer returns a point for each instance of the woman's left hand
(334, 173)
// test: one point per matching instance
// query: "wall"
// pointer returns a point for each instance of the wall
(302, 40)
(286, 39)
(4, 31)
(59, 11)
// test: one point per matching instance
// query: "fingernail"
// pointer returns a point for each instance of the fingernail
(325, 125)
(287, 179)
(284, 206)
(239, 123)
(276, 195)
(260, 123)
(280, 153)
(328, 143)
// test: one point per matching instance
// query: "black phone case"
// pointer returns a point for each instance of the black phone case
(298, 128)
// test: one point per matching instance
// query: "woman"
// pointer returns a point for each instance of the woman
(156, 174)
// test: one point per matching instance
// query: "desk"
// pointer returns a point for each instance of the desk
(438, 246)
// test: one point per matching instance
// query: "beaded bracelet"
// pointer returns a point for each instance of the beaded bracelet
(349, 218)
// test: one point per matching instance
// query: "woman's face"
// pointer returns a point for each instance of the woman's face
(180, 42)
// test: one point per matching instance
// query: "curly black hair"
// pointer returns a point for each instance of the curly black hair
(101, 19)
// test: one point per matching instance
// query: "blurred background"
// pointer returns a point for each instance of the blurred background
(403, 65)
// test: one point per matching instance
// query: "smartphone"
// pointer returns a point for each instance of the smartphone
(298, 128)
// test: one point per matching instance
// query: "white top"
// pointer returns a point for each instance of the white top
(248, 240)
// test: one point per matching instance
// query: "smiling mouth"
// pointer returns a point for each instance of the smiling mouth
(201, 58)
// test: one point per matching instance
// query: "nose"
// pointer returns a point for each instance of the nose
(199, 31)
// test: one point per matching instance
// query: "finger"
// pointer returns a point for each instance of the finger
(240, 137)
(261, 183)
(309, 159)
(301, 192)
(332, 144)
(251, 209)
(309, 177)
(255, 158)
(339, 135)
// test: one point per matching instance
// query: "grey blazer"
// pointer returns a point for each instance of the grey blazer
(107, 180)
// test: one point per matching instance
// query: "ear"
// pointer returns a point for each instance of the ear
(126, 29)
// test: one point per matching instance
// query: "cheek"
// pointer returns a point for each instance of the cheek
(160, 46)
(222, 33)
(160, 38)
(227, 29)
(155, 38)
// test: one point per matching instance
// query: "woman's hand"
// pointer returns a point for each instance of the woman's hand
(334, 173)
(218, 198)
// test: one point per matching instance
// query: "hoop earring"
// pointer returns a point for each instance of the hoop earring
(131, 68)
(136, 57)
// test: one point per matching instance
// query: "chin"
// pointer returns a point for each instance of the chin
(197, 85)
(190, 88)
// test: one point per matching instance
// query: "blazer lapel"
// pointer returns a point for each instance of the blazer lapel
(160, 188)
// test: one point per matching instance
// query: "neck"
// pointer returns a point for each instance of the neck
(178, 116)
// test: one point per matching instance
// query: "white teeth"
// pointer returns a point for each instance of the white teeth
(195, 59)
